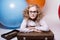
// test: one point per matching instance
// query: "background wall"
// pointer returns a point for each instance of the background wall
(52, 18)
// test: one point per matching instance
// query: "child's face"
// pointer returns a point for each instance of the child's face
(33, 12)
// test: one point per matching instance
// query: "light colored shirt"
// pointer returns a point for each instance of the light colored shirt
(41, 26)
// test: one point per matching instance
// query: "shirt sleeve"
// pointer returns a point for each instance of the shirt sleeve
(23, 26)
(43, 27)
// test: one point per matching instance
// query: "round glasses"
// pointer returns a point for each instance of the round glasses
(33, 11)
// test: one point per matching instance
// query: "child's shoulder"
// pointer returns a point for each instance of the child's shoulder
(42, 20)
(25, 19)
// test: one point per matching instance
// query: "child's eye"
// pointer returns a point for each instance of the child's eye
(33, 11)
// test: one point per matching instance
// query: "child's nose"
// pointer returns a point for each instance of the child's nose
(32, 13)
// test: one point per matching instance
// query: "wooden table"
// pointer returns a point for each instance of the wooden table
(36, 36)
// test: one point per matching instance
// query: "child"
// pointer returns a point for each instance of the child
(33, 20)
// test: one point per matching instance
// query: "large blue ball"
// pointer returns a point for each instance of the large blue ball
(0, 10)
(12, 12)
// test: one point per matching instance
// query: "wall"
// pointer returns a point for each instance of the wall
(52, 18)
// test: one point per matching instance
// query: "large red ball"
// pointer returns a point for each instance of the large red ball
(59, 11)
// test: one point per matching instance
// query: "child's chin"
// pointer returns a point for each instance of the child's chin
(32, 18)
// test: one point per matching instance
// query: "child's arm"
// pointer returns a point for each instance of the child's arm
(43, 26)
(23, 26)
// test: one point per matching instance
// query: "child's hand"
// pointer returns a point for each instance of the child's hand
(31, 28)
(36, 30)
